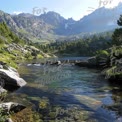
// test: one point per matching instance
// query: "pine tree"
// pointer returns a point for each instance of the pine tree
(117, 35)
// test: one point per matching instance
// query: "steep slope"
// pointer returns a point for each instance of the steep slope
(14, 49)
(33, 25)
(102, 19)
(28, 27)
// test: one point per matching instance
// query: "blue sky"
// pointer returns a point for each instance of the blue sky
(67, 8)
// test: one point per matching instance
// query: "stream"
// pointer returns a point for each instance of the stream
(71, 93)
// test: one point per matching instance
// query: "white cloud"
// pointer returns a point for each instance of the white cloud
(17, 12)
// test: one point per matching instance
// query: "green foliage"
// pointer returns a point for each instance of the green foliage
(102, 53)
(7, 35)
(39, 56)
(117, 35)
(115, 64)
(12, 48)
(114, 72)
(3, 117)
(82, 47)
(119, 22)
(1, 41)
(28, 56)
(115, 55)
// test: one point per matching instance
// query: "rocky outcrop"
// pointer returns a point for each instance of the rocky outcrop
(9, 81)
(90, 63)
(56, 63)
(11, 78)
(11, 107)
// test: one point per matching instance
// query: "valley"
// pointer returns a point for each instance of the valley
(54, 69)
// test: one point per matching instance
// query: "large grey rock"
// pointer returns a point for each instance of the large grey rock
(11, 78)
(11, 107)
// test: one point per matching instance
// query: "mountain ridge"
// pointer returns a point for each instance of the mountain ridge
(52, 26)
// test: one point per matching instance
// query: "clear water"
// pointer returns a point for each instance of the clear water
(76, 94)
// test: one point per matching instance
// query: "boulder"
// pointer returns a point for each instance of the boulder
(11, 78)
(90, 63)
(13, 70)
(57, 63)
(11, 107)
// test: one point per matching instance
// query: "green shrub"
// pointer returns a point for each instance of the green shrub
(3, 117)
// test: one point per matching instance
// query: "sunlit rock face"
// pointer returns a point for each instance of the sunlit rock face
(10, 79)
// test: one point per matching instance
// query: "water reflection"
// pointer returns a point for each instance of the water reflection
(75, 89)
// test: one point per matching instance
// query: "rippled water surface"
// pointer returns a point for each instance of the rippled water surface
(73, 93)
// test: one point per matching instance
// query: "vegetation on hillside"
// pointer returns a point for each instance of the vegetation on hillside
(14, 49)
(113, 71)
(81, 47)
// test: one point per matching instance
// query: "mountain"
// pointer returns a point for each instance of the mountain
(52, 26)
(102, 19)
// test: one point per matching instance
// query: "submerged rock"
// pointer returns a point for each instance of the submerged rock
(88, 101)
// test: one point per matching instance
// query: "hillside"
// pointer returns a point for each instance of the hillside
(14, 49)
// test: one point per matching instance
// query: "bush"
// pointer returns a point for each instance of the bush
(3, 117)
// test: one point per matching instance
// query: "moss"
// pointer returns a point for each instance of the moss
(114, 72)
(52, 115)
(39, 56)
(102, 54)
(28, 56)
(26, 115)
(8, 59)
(3, 95)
